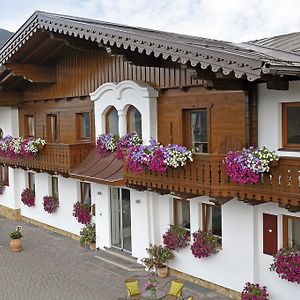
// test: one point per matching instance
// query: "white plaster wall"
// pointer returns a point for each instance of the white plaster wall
(121, 96)
(269, 115)
(101, 198)
(11, 195)
(68, 195)
(141, 222)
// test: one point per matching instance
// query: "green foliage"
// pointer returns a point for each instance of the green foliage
(88, 234)
(158, 256)
(16, 234)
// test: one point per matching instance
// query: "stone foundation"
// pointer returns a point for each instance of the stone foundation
(232, 294)
(10, 213)
(51, 228)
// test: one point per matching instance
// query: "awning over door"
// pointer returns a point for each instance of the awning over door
(104, 170)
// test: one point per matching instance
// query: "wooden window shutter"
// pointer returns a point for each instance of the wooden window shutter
(270, 234)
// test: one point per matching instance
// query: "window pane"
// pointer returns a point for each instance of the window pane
(85, 123)
(54, 181)
(183, 213)
(31, 181)
(113, 122)
(85, 189)
(135, 120)
(199, 131)
(294, 233)
(216, 221)
(53, 125)
(293, 125)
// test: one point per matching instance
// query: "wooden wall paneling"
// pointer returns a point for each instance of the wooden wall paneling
(226, 116)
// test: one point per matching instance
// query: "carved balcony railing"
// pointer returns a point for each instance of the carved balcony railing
(53, 158)
(206, 176)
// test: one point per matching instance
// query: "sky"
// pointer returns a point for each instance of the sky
(231, 20)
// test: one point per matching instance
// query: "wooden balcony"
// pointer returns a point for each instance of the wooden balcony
(53, 158)
(206, 176)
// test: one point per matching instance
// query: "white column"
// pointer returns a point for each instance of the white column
(122, 122)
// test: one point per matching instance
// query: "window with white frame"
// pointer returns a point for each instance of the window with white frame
(212, 219)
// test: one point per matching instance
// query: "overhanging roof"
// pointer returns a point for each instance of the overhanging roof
(105, 170)
(240, 59)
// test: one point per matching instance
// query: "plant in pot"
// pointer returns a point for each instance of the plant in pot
(88, 236)
(15, 243)
(158, 257)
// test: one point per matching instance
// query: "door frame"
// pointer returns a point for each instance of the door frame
(120, 221)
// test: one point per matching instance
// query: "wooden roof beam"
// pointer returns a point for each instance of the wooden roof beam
(33, 72)
(10, 98)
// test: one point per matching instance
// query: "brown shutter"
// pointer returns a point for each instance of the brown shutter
(269, 234)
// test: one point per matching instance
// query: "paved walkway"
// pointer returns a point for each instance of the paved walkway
(55, 267)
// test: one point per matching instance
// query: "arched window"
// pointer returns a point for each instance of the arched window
(134, 120)
(112, 121)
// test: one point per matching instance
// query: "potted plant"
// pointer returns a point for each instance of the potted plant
(81, 211)
(88, 236)
(15, 243)
(28, 197)
(286, 264)
(51, 203)
(158, 257)
(176, 237)
(205, 244)
(253, 291)
(151, 284)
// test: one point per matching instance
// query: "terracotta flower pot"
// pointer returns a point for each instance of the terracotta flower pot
(93, 246)
(162, 272)
(15, 245)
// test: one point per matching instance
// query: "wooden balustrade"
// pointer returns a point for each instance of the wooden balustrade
(53, 158)
(206, 176)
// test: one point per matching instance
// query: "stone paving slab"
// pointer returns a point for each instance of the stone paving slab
(55, 267)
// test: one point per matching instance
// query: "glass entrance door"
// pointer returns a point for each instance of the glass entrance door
(120, 219)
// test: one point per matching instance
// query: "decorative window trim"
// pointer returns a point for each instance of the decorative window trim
(285, 144)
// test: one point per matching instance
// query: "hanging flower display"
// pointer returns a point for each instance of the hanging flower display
(51, 203)
(156, 157)
(129, 140)
(82, 213)
(28, 197)
(287, 264)
(26, 148)
(246, 165)
(176, 237)
(253, 291)
(2, 186)
(112, 143)
(205, 244)
(106, 143)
